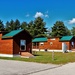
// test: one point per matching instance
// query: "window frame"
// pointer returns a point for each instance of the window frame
(23, 43)
(41, 43)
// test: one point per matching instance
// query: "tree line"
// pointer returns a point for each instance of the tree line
(37, 28)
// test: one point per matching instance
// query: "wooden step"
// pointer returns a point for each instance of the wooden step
(26, 55)
(73, 49)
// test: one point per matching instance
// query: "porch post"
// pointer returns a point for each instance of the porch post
(32, 45)
(36, 44)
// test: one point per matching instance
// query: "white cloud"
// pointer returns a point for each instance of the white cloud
(38, 14)
(46, 15)
(72, 21)
(27, 15)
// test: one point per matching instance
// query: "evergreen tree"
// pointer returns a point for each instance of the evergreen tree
(73, 31)
(24, 25)
(59, 29)
(7, 27)
(12, 25)
(31, 28)
(1, 26)
(39, 27)
(68, 31)
(16, 24)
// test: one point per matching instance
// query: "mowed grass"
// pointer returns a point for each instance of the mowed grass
(46, 57)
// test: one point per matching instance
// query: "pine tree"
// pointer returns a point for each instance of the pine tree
(12, 25)
(16, 24)
(73, 31)
(7, 27)
(31, 28)
(1, 26)
(24, 25)
(39, 27)
(59, 29)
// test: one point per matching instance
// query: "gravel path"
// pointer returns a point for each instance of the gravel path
(9, 67)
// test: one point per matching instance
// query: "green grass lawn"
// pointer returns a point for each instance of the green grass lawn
(46, 57)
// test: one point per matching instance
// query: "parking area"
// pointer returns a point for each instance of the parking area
(9, 67)
(67, 69)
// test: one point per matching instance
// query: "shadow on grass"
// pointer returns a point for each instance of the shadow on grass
(35, 53)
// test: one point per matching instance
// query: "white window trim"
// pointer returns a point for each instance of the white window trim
(52, 39)
(41, 43)
(51, 43)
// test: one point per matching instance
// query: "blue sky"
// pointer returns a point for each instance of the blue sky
(50, 10)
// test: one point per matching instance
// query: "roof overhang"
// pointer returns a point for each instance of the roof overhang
(66, 38)
(41, 39)
(13, 33)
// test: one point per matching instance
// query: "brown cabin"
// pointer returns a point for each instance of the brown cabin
(15, 43)
(53, 43)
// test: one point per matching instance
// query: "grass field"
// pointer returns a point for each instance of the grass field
(46, 57)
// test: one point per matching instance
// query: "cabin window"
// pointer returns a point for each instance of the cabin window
(41, 43)
(72, 43)
(23, 45)
(52, 39)
(51, 43)
(34, 44)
